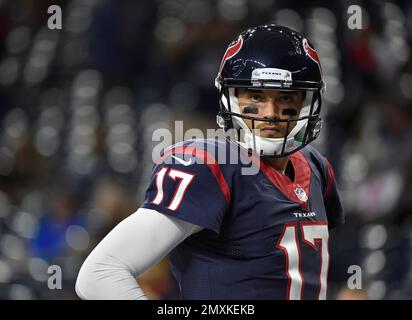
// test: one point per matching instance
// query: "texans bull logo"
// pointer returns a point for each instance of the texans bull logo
(311, 53)
(231, 51)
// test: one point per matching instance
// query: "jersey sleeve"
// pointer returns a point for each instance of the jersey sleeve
(187, 183)
(333, 205)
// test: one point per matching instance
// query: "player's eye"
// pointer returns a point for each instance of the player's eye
(256, 98)
(286, 99)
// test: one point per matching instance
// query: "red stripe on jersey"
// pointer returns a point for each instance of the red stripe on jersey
(207, 159)
(283, 182)
(331, 179)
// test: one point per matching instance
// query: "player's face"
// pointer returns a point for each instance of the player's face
(270, 104)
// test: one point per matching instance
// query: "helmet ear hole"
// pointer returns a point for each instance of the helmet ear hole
(224, 120)
(220, 121)
(315, 126)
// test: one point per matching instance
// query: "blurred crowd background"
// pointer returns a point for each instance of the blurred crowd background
(78, 107)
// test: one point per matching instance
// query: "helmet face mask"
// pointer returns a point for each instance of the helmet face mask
(271, 58)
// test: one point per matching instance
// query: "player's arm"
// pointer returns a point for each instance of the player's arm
(183, 196)
(131, 248)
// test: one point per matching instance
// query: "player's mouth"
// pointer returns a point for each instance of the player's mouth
(270, 130)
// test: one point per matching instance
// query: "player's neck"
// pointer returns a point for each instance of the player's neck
(279, 164)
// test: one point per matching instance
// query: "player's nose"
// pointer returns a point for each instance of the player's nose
(271, 111)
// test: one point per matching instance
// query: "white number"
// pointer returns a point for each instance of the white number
(311, 234)
(186, 179)
(160, 176)
(288, 242)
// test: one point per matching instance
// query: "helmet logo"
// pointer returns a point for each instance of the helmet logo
(311, 53)
(231, 51)
(283, 77)
(300, 192)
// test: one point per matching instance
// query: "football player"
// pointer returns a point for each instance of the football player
(230, 235)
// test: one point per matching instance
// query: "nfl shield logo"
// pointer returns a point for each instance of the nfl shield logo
(301, 194)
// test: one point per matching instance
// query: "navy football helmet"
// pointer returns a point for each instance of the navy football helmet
(271, 57)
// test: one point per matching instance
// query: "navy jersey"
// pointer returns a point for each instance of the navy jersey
(265, 236)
